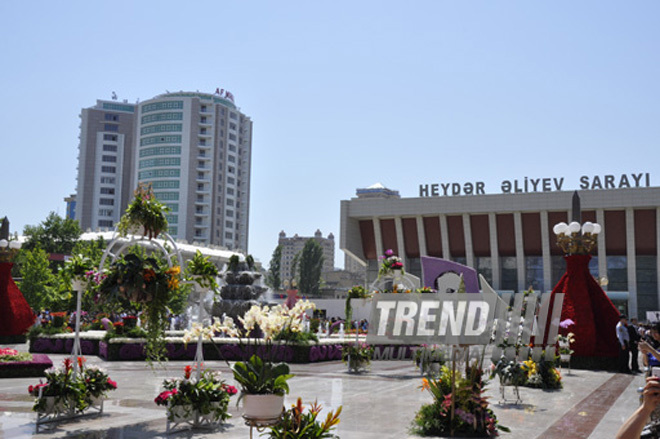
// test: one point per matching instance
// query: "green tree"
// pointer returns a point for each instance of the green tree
(310, 266)
(38, 284)
(54, 235)
(274, 277)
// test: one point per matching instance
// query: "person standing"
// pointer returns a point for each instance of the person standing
(633, 334)
(624, 343)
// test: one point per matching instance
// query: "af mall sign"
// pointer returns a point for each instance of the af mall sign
(468, 319)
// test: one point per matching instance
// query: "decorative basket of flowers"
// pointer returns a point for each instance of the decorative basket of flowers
(565, 342)
(144, 214)
(510, 372)
(138, 280)
(199, 400)
(429, 359)
(296, 423)
(77, 271)
(357, 356)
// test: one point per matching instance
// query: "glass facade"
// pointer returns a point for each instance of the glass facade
(166, 105)
(162, 116)
(617, 273)
(508, 273)
(534, 273)
(485, 268)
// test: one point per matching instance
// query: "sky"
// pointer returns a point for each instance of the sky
(342, 94)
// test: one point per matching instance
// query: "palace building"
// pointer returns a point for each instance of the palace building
(508, 237)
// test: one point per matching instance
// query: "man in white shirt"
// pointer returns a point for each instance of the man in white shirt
(624, 343)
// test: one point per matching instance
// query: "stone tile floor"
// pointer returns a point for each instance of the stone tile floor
(378, 404)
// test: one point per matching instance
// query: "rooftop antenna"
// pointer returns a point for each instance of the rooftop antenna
(114, 96)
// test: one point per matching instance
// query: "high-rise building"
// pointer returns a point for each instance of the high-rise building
(195, 149)
(105, 158)
(294, 245)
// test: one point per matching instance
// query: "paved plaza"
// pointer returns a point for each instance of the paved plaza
(378, 404)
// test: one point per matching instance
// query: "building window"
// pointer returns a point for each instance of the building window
(110, 148)
(229, 224)
(111, 137)
(508, 273)
(108, 190)
(617, 273)
(229, 235)
(232, 115)
(232, 148)
(108, 180)
(105, 223)
(111, 117)
(109, 169)
(230, 191)
(109, 158)
(230, 202)
(230, 180)
(110, 127)
(106, 202)
(232, 136)
(105, 212)
(231, 169)
(232, 126)
(231, 159)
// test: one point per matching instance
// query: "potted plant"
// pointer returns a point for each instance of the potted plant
(357, 356)
(203, 398)
(296, 423)
(144, 214)
(357, 292)
(202, 271)
(510, 373)
(263, 386)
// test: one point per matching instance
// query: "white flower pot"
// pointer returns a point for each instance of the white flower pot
(565, 357)
(263, 407)
(212, 415)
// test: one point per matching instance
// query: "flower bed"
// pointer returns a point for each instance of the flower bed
(63, 343)
(22, 369)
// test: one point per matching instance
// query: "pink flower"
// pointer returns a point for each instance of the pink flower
(112, 384)
(566, 323)
(389, 252)
(231, 390)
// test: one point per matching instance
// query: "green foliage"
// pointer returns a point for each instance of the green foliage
(202, 271)
(274, 277)
(54, 235)
(38, 283)
(258, 377)
(311, 265)
(127, 333)
(357, 292)
(20, 356)
(145, 211)
(358, 355)
(300, 337)
(296, 423)
(233, 264)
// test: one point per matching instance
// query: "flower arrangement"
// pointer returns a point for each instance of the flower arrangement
(202, 271)
(258, 374)
(458, 408)
(207, 395)
(296, 423)
(77, 268)
(8, 355)
(426, 290)
(357, 355)
(135, 280)
(511, 372)
(542, 374)
(390, 262)
(71, 392)
(565, 342)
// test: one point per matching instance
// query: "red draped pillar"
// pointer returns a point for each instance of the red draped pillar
(16, 316)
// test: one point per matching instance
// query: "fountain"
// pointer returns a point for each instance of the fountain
(241, 288)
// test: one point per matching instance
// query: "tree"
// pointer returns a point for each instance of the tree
(274, 277)
(54, 235)
(38, 284)
(311, 264)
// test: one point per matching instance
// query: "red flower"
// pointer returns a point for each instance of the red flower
(187, 371)
(112, 384)
(231, 390)
(67, 364)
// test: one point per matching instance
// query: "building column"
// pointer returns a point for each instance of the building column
(421, 236)
(520, 250)
(545, 251)
(379, 238)
(444, 234)
(602, 249)
(467, 234)
(494, 250)
(398, 227)
(632, 262)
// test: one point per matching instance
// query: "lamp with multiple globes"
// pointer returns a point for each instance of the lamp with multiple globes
(572, 242)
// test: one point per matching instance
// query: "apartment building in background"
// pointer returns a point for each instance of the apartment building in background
(195, 149)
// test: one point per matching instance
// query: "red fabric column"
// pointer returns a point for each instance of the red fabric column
(16, 316)
(586, 303)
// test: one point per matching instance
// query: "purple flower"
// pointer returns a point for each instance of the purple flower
(566, 323)
(389, 252)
